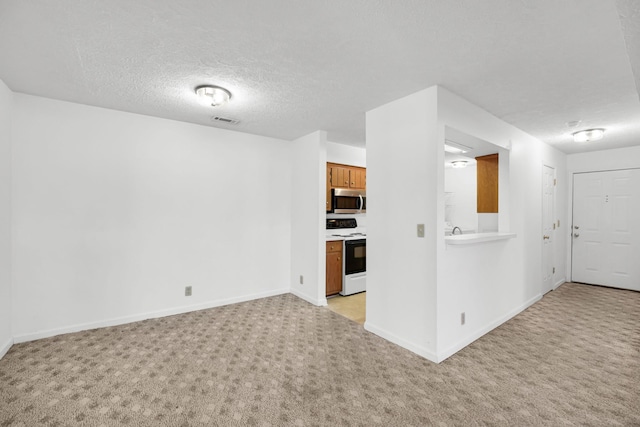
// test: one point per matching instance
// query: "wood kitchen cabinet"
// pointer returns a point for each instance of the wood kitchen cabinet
(487, 182)
(339, 176)
(334, 267)
(328, 187)
(358, 178)
(344, 176)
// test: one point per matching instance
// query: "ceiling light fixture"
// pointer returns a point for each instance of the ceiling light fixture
(588, 135)
(455, 148)
(214, 95)
(459, 164)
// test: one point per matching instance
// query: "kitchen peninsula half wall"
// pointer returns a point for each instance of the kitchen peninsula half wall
(444, 296)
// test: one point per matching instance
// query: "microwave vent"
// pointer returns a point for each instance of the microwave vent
(226, 120)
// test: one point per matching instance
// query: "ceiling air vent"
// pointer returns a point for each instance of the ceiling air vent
(225, 120)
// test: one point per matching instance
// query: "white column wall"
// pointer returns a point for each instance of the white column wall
(308, 251)
(115, 213)
(418, 287)
(402, 188)
(492, 282)
(6, 333)
(346, 154)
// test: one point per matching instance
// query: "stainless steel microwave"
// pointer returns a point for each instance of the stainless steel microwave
(348, 201)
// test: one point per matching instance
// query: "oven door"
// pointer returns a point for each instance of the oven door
(355, 256)
(349, 201)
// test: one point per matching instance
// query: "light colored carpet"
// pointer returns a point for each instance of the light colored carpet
(571, 359)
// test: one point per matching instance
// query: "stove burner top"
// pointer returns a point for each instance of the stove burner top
(349, 235)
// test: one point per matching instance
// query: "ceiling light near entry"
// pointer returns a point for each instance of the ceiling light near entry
(459, 164)
(214, 95)
(588, 135)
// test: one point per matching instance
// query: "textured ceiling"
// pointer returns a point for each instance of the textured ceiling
(298, 66)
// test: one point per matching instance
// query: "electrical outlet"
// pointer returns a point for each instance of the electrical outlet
(187, 291)
(301, 279)
(420, 230)
(463, 318)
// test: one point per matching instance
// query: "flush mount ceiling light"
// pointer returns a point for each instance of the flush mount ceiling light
(459, 164)
(588, 135)
(455, 148)
(214, 95)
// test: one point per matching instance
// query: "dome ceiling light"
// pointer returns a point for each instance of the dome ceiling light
(459, 164)
(214, 95)
(588, 135)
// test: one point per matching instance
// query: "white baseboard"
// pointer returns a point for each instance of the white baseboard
(558, 283)
(320, 302)
(417, 349)
(442, 355)
(6, 347)
(144, 316)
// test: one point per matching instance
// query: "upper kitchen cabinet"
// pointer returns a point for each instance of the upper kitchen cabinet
(487, 174)
(328, 187)
(358, 178)
(344, 176)
(338, 175)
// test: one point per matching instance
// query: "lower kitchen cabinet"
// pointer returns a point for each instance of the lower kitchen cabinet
(334, 267)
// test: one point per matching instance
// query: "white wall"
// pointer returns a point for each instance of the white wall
(308, 252)
(402, 180)
(115, 213)
(492, 282)
(418, 287)
(460, 186)
(346, 154)
(594, 161)
(6, 334)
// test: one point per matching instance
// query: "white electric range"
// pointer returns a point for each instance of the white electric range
(354, 249)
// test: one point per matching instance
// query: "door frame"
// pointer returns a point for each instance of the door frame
(570, 195)
(552, 247)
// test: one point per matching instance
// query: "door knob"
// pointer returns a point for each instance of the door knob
(576, 235)
(545, 237)
(576, 227)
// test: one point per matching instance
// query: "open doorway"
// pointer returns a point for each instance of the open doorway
(352, 307)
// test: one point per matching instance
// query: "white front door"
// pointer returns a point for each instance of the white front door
(548, 227)
(606, 228)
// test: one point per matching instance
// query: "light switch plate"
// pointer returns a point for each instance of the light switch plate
(420, 230)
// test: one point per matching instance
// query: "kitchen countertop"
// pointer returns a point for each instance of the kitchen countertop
(469, 239)
(330, 237)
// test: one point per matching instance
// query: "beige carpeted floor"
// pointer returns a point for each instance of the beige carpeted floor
(571, 359)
